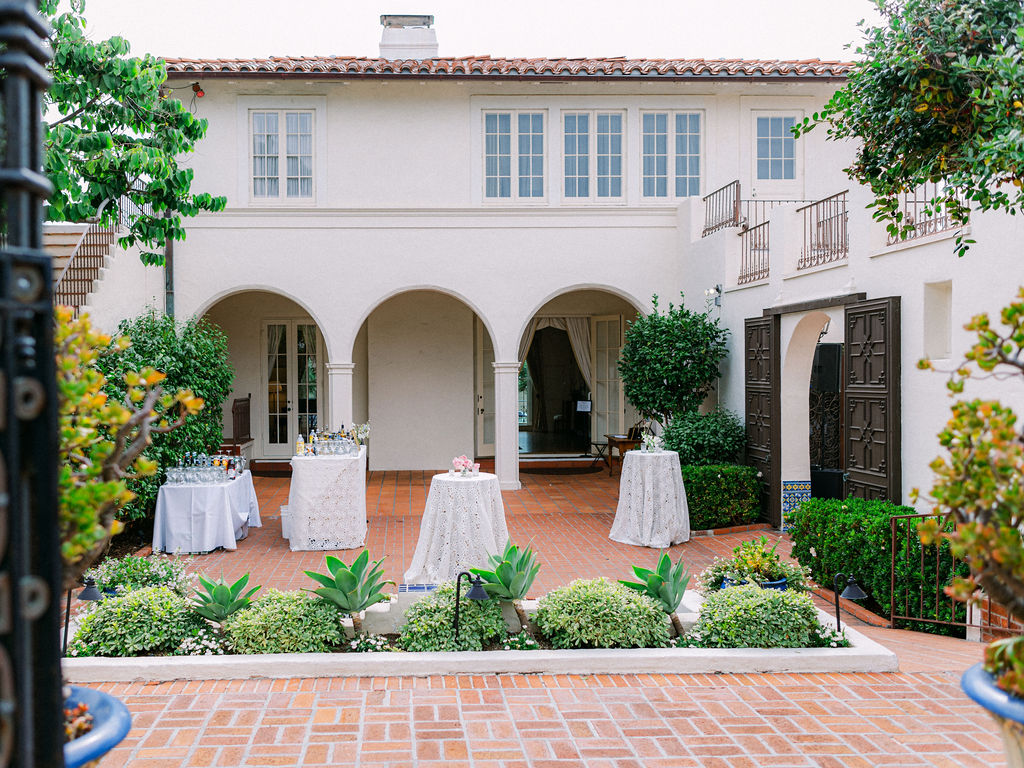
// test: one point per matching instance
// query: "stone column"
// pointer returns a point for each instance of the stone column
(339, 394)
(506, 424)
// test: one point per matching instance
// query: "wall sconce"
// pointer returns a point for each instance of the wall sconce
(476, 592)
(851, 592)
(197, 89)
(715, 293)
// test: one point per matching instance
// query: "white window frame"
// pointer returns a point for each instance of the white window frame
(317, 106)
(514, 196)
(282, 155)
(592, 158)
(756, 153)
(672, 155)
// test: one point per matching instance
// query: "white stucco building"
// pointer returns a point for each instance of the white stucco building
(397, 228)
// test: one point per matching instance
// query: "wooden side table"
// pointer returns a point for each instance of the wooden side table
(623, 443)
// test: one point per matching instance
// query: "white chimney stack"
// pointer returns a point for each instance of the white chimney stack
(408, 37)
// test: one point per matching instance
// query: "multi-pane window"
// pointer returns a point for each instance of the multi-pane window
(776, 148)
(282, 154)
(675, 137)
(513, 140)
(592, 154)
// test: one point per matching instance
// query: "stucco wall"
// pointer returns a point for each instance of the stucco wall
(420, 382)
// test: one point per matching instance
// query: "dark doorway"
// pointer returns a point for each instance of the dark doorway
(826, 423)
(551, 422)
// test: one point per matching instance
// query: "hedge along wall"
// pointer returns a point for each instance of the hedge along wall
(853, 536)
(721, 495)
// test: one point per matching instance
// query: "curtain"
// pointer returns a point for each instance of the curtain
(274, 334)
(578, 330)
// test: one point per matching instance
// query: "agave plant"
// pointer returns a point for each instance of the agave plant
(665, 585)
(510, 578)
(217, 599)
(352, 588)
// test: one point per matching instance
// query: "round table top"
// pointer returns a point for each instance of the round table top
(651, 454)
(471, 478)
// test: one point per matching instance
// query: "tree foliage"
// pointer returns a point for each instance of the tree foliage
(670, 360)
(116, 136)
(938, 96)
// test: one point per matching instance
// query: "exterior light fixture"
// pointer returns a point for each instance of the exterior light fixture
(197, 89)
(715, 292)
(851, 592)
(476, 592)
(90, 593)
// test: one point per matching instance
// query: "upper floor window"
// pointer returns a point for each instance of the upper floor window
(675, 137)
(282, 154)
(513, 155)
(776, 148)
(592, 154)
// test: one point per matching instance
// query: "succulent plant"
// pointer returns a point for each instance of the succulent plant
(352, 588)
(666, 585)
(510, 578)
(217, 599)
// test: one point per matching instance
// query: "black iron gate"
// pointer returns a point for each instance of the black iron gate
(30, 570)
(762, 405)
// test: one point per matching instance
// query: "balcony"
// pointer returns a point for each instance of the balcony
(826, 233)
(919, 217)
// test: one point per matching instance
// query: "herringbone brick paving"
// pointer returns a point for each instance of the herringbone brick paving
(917, 717)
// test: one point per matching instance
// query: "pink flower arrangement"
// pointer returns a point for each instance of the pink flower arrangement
(462, 463)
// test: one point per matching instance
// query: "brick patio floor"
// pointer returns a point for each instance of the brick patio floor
(917, 717)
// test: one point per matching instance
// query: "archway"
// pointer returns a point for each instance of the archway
(279, 356)
(418, 359)
(570, 390)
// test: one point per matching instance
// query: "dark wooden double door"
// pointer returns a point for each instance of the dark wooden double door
(870, 401)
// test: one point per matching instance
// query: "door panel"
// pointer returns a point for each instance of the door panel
(291, 376)
(485, 407)
(276, 438)
(762, 405)
(607, 414)
(871, 400)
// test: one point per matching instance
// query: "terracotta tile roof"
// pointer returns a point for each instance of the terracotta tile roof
(487, 67)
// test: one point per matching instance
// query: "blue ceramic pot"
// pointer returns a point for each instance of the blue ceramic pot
(111, 722)
(780, 584)
(1006, 710)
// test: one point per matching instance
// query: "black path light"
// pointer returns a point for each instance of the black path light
(476, 592)
(852, 591)
(90, 593)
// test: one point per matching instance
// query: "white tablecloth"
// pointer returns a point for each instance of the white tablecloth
(652, 508)
(463, 523)
(202, 518)
(327, 502)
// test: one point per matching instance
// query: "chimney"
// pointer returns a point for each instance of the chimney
(408, 36)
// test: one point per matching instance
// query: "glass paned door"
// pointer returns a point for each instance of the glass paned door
(606, 333)
(484, 392)
(291, 374)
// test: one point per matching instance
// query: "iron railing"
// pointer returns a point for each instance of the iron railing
(722, 208)
(31, 732)
(919, 213)
(826, 231)
(754, 253)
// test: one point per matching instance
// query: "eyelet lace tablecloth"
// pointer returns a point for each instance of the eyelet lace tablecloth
(463, 523)
(202, 518)
(327, 502)
(652, 508)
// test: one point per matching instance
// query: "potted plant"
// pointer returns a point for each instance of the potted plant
(754, 561)
(978, 487)
(101, 443)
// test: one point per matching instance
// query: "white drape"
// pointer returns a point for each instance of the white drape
(578, 330)
(274, 334)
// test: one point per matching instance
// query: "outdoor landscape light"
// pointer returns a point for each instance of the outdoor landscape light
(90, 593)
(851, 592)
(476, 592)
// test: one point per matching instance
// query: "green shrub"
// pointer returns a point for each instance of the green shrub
(150, 621)
(853, 536)
(756, 560)
(717, 437)
(132, 572)
(750, 617)
(284, 622)
(722, 495)
(428, 622)
(194, 356)
(600, 614)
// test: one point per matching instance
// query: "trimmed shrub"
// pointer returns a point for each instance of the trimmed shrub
(717, 437)
(145, 622)
(429, 621)
(853, 536)
(722, 495)
(284, 622)
(194, 356)
(750, 617)
(600, 614)
(133, 572)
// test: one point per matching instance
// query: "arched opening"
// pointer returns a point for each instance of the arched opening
(423, 379)
(279, 356)
(570, 392)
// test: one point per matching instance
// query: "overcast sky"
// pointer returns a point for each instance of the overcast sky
(786, 29)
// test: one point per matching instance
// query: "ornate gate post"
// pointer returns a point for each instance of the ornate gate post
(30, 565)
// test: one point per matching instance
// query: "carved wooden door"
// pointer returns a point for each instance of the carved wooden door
(762, 407)
(871, 399)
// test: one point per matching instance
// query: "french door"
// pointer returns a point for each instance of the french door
(291, 379)
(485, 408)
(608, 404)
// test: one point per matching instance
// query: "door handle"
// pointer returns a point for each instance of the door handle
(481, 411)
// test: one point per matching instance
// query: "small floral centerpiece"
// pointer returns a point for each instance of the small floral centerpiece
(462, 465)
(652, 442)
(360, 432)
